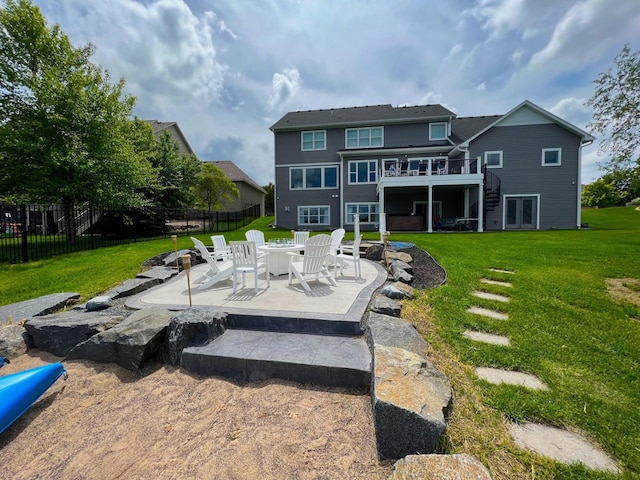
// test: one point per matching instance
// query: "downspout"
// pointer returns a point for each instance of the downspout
(341, 174)
(579, 182)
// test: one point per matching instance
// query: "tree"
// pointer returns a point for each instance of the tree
(269, 199)
(65, 130)
(601, 193)
(214, 188)
(616, 109)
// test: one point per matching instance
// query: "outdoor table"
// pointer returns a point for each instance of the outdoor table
(278, 259)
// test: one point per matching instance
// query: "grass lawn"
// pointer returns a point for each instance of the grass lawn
(563, 326)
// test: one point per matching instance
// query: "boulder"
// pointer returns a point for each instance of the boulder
(385, 305)
(191, 328)
(14, 341)
(403, 265)
(402, 256)
(161, 273)
(129, 344)
(170, 260)
(132, 286)
(410, 401)
(398, 291)
(390, 331)
(99, 303)
(400, 275)
(59, 333)
(439, 467)
(374, 252)
(44, 305)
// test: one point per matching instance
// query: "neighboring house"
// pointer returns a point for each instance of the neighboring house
(174, 130)
(422, 168)
(250, 192)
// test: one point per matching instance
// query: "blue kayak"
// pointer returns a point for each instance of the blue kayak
(20, 390)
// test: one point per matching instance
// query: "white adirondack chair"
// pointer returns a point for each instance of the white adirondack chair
(336, 239)
(354, 257)
(221, 251)
(245, 259)
(217, 270)
(300, 238)
(311, 265)
(255, 236)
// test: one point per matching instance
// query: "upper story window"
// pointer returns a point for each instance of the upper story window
(363, 171)
(493, 159)
(306, 178)
(438, 131)
(364, 137)
(315, 140)
(551, 157)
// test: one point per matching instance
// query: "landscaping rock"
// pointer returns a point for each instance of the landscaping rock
(132, 286)
(398, 291)
(130, 343)
(59, 333)
(410, 401)
(99, 303)
(17, 312)
(161, 273)
(374, 252)
(400, 275)
(403, 265)
(385, 305)
(14, 341)
(191, 328)
(389, 331)
(402, 256)
(439, 467)
(170, 260)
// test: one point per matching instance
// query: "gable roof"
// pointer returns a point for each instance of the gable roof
(463, 128)
(586, 137)
(365, 116)
(235, 174)
(159, 127)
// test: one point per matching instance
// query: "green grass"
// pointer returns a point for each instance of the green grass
(564, 327)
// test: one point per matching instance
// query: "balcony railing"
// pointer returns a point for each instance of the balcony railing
(429, 166)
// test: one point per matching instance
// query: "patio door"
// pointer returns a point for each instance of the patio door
(521, 212)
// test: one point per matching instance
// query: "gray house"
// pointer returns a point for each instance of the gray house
(422, 168)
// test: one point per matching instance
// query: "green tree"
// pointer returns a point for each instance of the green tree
(269, 199)
(66, 133)
(214, 188)
(601, 193)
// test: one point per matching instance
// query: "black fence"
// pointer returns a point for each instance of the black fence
(34, 232)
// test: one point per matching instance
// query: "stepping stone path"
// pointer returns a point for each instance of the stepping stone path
(500, 270)
(491, 296)
(498, 376)
(495, 282)
(487, 338)
(485, 312)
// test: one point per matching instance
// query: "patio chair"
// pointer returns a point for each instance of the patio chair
(255, 236)
(217, 270)
(221, 251)
(300, 238)
(245, 259)
(336, 240)
(353, 257)
(311, 265)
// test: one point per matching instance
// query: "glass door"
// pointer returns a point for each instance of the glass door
(521, 212)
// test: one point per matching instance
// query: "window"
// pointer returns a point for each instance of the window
(493, 159)
(364, 137)
(551, 157)
(314, 140)
(438, 131)
(367, 212)
(363, 171)
(303, 178)
(313, 215)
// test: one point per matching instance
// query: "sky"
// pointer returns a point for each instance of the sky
(226, 70)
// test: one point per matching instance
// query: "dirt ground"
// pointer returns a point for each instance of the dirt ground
(105, 422)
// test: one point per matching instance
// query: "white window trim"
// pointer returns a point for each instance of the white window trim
(545, 150)
(486, 155)
(314, 206)
(349, 182)
(349, 221)
(304, 177)
(446, 130)
(504, 207)
(358, 130)
(324, 132)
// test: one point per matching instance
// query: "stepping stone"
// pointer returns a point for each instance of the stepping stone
(491, 296)
(561, 445)
(500, 270)
(495, 282)
(498, 376)
(486, 338)
(485, 312)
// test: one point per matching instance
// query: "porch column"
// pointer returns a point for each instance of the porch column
(480, 206)
(466, 202)
(382, 216)
(430, 210)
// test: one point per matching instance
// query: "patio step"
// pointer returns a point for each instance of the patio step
(250, 355)
(296, 323)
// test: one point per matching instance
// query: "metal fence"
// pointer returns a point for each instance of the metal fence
(34, 232)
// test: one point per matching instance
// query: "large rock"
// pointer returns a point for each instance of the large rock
(374, 252)
(170, 260)
(132, 286)
(403, 265)
(400, 275)
(410, 401)
(439, 467)
(389, 331)
(191, 328)
(16, 312)
(99, 303)
(14, 341)
(130, 343)
(398, 290)
(161, 273)
(402, 256)
(385, 305)
(59, 333)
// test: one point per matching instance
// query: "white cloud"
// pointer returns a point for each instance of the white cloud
(573, 110)
(285, 86)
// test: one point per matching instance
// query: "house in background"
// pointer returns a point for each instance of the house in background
(174, 130)
(423, 168)
(250, 192)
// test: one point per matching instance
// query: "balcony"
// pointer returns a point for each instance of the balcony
(428, 167)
